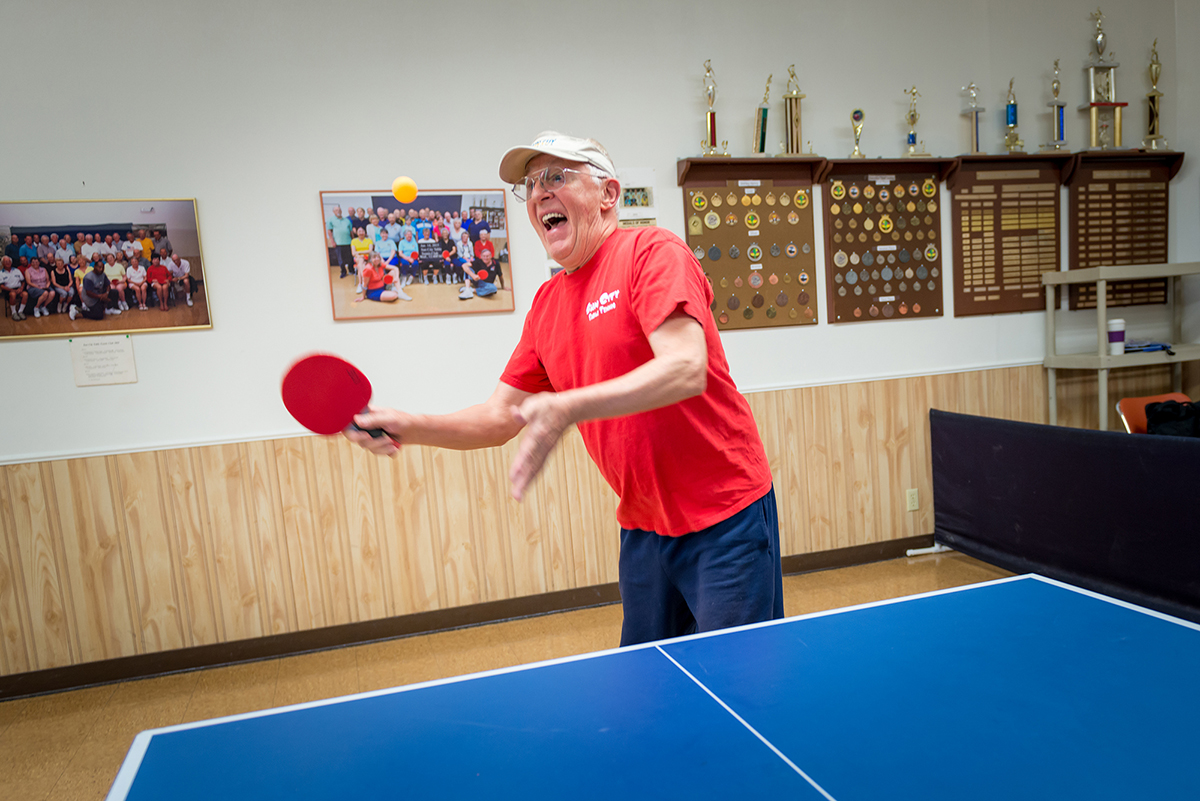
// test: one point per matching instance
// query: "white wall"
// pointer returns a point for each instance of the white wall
(254, 108)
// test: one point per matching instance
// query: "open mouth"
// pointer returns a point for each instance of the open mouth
(552, 219)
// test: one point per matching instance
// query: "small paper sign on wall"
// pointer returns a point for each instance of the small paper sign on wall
(103, 360)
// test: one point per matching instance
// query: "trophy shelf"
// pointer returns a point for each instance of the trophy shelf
(719, 169)
(1063, 162)
(1173, 160)
(905, 166)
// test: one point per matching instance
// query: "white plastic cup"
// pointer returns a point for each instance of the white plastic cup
(1116, 336)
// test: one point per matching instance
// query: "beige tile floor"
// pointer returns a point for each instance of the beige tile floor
(70, 745)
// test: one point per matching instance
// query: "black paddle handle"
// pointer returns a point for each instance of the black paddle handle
(374, 432)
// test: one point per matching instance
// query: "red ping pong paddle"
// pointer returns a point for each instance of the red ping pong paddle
(324, 393)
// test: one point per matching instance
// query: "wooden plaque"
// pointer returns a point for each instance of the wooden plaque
(883, 239)
(1119, 210)
(1005, 218)
(750, 224)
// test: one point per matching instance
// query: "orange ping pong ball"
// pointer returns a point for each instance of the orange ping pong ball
(404, 189)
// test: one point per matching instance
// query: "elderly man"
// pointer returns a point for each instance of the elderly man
(161, 241)
(340, 234)
(477, 224)
(45, 250)
(90, 249)
(28, 251)
(12, 284)
(622, 343)
(181, 274)
(65, 249)
(107, 248)
(13, 248)
(131, 247)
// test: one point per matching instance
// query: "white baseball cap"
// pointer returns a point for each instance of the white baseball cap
(552, 143)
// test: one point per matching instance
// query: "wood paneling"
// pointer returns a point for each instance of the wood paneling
(137, 553)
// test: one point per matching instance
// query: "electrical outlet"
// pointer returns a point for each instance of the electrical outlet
(911, 501)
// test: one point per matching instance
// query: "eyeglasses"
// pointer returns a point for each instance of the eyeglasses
(552, 179)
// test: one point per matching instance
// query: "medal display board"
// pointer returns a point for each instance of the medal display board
(883, 239)
(1118, 206)
(751, 228)
(1005, 218)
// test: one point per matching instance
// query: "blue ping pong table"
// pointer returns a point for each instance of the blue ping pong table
(1018, 688)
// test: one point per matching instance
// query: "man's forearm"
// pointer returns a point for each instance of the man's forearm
(659, 382)
(482, 426)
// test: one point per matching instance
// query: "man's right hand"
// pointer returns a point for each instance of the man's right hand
(394, 424)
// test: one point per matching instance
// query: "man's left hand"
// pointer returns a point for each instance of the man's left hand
(545, 417)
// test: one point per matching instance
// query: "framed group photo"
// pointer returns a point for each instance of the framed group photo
(445, 252)
(78, 267)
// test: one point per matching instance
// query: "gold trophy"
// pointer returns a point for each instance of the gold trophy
(1102, 91)
(1154, 139)
(856, 120)
(1012, 140)
(973, 111)
(911, 118)
(759, 146)
(792, 145)
(709, 143)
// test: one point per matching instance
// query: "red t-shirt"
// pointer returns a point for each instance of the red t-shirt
(678, 469)
(373, 277)
(481, 246)
(157, 274)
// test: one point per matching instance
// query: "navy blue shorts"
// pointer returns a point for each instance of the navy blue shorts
(728, 574)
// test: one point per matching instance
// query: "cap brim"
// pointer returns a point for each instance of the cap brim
(514, 162)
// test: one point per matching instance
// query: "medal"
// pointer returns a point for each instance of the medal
(699, 201)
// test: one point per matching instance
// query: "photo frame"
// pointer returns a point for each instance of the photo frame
(418, 271)
(129, 230)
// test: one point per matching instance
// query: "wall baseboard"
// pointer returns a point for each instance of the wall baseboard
(142, 666)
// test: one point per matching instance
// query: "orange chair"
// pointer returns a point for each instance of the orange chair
(1133, 410)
